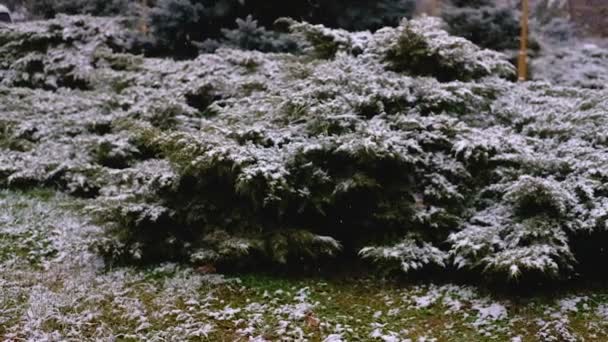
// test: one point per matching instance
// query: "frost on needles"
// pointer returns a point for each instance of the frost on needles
(407, 147)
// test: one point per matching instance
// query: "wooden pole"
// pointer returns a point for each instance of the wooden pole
(143, 20)
(435, 8)
(571, 9)
(522, 65)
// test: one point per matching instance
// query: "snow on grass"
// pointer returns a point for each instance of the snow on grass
(54, 288)
(570, 304)
(490, 313)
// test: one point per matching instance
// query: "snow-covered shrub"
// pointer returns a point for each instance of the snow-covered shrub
(568, 56)
(416, 47)
(300, 165)
(55, 103)
(50, 55)
(358, 148)
(114, 151)
(422, 48)
(324, 42)
(408, 255)
(579, 64)
(548, 200)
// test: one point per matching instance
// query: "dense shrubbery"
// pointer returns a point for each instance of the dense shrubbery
(183, 25)
(406, 146)
(50, 8)
(579, 64)
(483, 23)
(566, 57)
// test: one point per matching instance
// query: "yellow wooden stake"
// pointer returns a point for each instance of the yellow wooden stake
(143, 21)
(435, 8)
(522, 65)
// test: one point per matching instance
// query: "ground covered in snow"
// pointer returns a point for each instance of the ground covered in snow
(52, 288)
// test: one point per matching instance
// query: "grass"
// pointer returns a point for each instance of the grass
(53, 288)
